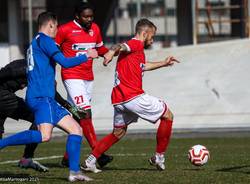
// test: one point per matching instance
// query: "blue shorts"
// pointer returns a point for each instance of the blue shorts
(46, 110)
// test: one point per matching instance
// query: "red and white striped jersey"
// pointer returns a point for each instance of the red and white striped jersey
(129, 72)
(74, 40)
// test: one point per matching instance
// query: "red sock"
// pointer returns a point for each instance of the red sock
(89, 131)
(104, 144)
(163, 135)
(66, 156)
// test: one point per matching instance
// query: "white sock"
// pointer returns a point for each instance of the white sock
(91, 159)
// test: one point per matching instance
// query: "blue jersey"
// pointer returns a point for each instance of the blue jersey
(42, 56)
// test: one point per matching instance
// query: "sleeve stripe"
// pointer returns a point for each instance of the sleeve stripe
(99, 44)
(128, 48)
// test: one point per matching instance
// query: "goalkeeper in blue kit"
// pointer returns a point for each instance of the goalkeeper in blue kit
(42, 56)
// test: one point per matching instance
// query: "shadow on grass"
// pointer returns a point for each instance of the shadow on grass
(65, 178)
(194, 169)
(128, 169)
(238, 169)
(58, 165)
(54, 165)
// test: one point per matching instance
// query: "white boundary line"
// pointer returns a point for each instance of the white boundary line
(60, 156)
(40, 158)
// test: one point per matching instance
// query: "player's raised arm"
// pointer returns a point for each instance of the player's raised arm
(49, 46)
(74, 61)
(169, 61)
(114, 51)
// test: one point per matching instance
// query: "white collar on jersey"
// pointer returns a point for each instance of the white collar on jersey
(135, 39)
(77, 24)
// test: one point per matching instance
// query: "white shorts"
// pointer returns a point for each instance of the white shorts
(144, 106)
(79, 92)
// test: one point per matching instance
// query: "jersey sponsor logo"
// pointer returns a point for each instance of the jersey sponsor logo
(81, 53)
(78, 47)
(83, 46)
(76, 31)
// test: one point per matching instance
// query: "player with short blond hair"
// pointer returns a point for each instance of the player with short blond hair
(129, 99)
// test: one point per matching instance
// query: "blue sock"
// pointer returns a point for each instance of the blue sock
(73, 148)
(21, 138)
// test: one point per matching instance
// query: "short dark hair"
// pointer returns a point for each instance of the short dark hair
(82, 6)
(45, 17)
(142, 24)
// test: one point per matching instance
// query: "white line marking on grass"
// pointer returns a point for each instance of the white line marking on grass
(60, 156)
(40, 158)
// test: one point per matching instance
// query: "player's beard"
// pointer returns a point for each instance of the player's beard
(147, 46)
(86, 26)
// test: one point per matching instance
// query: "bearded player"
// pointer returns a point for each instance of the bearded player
(129, 99)
(74, 38)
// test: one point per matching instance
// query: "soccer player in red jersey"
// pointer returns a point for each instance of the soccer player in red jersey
(74, 38)
(129, 99)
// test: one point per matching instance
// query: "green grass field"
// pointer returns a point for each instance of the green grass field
(229, 163)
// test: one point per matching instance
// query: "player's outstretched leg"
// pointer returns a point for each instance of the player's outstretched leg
(89, 133)
(25, 137)
(163, 136)
(30, 163)
(21, 138)
(26, 161)
(102, 146)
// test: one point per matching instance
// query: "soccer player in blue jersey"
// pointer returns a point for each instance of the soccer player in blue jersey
(42, 56)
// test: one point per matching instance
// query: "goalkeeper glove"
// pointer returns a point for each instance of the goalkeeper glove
(77, 113)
